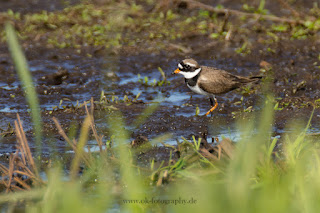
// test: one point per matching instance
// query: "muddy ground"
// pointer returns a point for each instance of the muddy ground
(65, 78)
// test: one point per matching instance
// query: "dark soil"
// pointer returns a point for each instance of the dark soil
(71, 77)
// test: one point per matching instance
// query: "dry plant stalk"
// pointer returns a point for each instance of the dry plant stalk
(85, 156)
(22, 170)
(92, 125)
(224, 149)
(76, 146)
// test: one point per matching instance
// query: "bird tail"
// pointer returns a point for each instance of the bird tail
(249, 80)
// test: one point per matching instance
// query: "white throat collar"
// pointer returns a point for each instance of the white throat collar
(189, 75)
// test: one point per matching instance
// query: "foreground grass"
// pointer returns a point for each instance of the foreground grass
(254, 179)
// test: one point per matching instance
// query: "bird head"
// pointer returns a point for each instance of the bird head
(189, 68)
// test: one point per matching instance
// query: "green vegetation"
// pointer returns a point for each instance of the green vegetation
(145, 81)
(117, 25)
(244, 49)
(250, 177)
(26, 79)
(258, 174)
(259, 10)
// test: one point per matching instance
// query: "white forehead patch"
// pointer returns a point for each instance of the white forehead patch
(189, 75)
(180, 66)
(191, 64)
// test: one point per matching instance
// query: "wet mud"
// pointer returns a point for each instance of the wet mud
(64, 79)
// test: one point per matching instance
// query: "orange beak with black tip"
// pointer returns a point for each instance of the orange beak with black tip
(176, 71)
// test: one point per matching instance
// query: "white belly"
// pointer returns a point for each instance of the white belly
(198, 90)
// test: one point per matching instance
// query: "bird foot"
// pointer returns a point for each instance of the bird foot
(213, 108)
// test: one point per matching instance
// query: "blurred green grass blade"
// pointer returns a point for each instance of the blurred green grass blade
(161, 138)
(309, 121)
(25, 77)
(130, 178)
(271, 148)
(146, 114)
(83, 139)
(266, 119)
(34, 194)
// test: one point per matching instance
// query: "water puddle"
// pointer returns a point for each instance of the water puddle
(8, 109)
(176, 98)
(88, 77)
(8, 87)
(128, 78)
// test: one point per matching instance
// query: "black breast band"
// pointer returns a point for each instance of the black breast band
(192, 81)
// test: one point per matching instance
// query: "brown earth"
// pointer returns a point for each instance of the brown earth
(64, 74)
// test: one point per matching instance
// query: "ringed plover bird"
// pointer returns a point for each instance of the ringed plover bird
(211, 81)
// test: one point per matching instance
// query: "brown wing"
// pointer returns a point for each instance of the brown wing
(219, 81)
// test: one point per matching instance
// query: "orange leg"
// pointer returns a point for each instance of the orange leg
(213, 107)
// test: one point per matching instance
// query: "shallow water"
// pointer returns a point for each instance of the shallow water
(87, 77)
